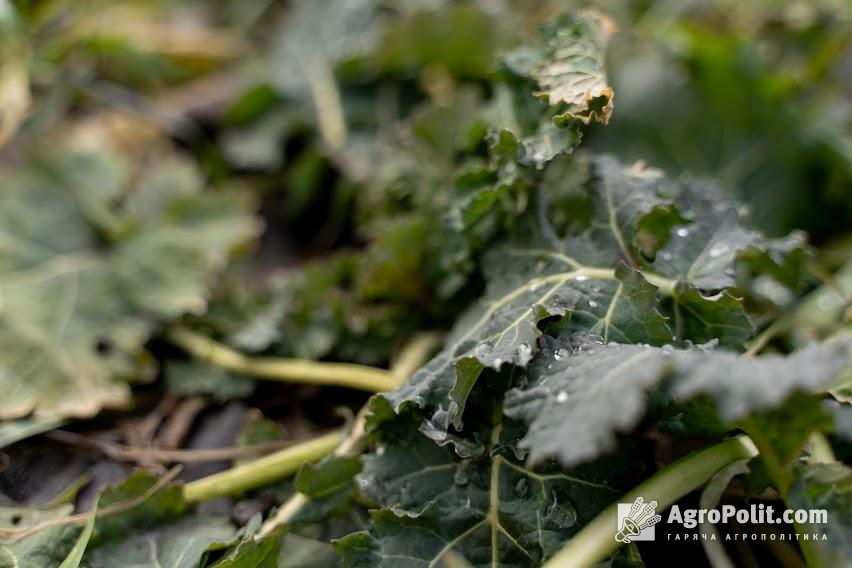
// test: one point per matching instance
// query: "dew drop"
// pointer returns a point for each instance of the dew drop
(481, 349)
(581, 278)
(682, 232)
(560, 354)
(716, 252)
(562, 397)
(593, 304)
(380, 451)
(563, 516)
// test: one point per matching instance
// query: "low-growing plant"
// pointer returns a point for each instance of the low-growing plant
(547, 329)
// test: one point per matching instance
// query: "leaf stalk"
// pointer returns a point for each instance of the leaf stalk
(261, 471)
(597, 540)
(361, 377)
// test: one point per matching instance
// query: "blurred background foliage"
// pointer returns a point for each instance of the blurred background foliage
(354, 125)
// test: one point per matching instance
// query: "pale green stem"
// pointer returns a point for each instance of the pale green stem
(821, 451)
(597, 540)
(766, 336)
(362, 377)
(329, 108)
(262, 471)
(665, 285)
(273, 467)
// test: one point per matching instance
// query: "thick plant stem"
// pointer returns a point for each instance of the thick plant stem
(597, 540)
(273, 467)
(261, 471)
(350, 375)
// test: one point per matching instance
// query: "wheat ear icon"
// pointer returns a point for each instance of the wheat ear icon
(639, 518)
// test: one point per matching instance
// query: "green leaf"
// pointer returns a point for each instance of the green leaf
(583, 282)
(317, 480)
(782, 432)
(828, 487)
(488, 510)
(75, 557)
(742, 385)
(568, 68)
(704, 318)
(140, 501)
(17, 430)
(704, 250)
(329, 486)
(49, 546)
(177, 544)
(573, 378)
(190, 378)
(252, 552)
(90, 263)
(301, 552)
(502, 328)
(148, 525)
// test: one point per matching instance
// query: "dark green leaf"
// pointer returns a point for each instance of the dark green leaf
(827, 487)
(582, 281)
(573, 378)
(489, 510)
